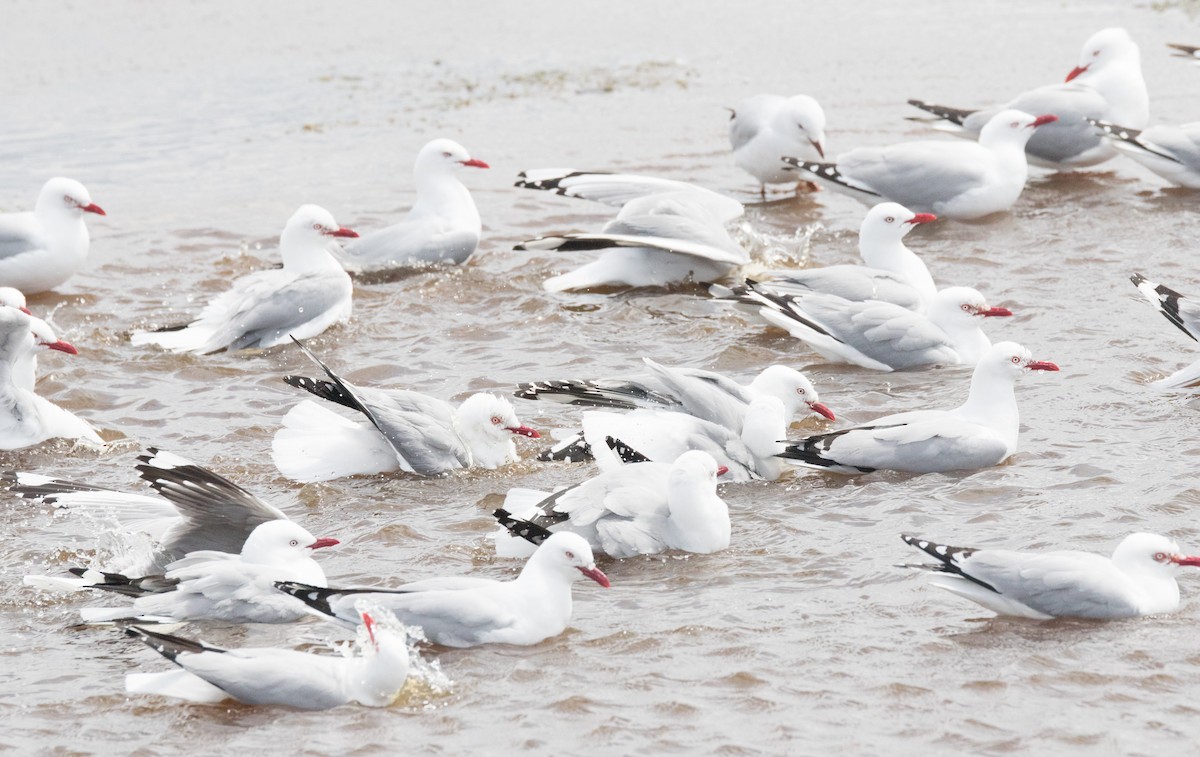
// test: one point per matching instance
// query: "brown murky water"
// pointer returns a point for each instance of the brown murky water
(201, 127)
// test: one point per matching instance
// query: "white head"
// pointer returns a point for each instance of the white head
(444, 156)
(380, 673)
(1103, 49)
(14, 330)
(805, 115)
(487, 423)
(281, 543)
(43, 337)
(961, 307)
(311, 229)
(1012, 127)
(1012, 359)
(792, 388)
(1151, 554)
(13, 298)
(886, 224)
(62, 195)
(695, 468)
(567, 555)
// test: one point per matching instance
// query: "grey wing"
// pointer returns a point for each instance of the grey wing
(743, 128)
(920, 174)
(452, 618)
(410, 242)
(705, 394)
(885, 332)
(577, 242)
(618, 188)
(271, 676)
(942, 444)
(17, 235)
(1071, 134)
(851, 282)
(1181, 143)
(675, 215)
(269, 319)
(418, 427)
(217, 514)
(406, 400)
(1061, 584)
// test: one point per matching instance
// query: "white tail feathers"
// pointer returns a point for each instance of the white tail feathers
(175, 683)
(188, 339)
(316, 444)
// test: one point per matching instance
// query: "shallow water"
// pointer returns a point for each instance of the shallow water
(201, 127)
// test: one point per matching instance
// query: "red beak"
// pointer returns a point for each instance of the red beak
(61, 346)
(820, 409)
(1076, 72)
(93, 208)
(722, 470)
(324, 541)
(343, 232)
(922, 218)
(24, 310)
(1042, 365)
(524, 431)
(369, 622)
(475, 163)
(596, 575)
(1043, 120)
(1182, 560)
(994, 311)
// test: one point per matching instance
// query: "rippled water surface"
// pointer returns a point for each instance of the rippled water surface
(201, 126)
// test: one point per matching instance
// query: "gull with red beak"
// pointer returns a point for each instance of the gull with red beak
(270, 676)
(308, 295)
(207, 585)
(891, 272)
(1139, 578)
(764, 127)
(876, 335)
(406, 431)
(442, 227)
(1106, 85)
(41, 337)
(980, 433)
(466, 611)
(41, 249)
(954, 180)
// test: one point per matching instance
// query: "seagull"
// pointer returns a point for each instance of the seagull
(617, 189)
(1172, 152)
(664, 436)
(442, 227)
(308, 295)
(959, 180)
(1139, 578)
(876, 335)
(196, 510)
(1185, 314)
(207, 585)
(466, 612)
(1106, 85)
(11, 297)
(764, 127)
(209, 674)
(41, 249)
(892, 272)
(656, 240)
(41, 337)
(978, 434)
(640, 509)
(25, 418)
(408, 431)
(708, 395)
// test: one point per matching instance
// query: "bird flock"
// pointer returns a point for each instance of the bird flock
(663, 439)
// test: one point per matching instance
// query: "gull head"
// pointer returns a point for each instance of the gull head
(962, 307)
(312, 222)
(1012, 357)
(888, 222)
(1103, 49)
(491, 417)
(1151, 554)
(569, 555)
(62, 195)
(445, 155)
(804, 115)
(43, 336)
(792, 388)
(13, 298)
(281, 542)
(1012, 126)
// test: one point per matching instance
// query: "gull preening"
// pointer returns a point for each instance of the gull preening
(1139, 578)
(407, 431)
(41, 249)
(442, 227)
(959, 180)
(639, 509)
(210, 674)
(978, 434)
(466, 612)
(1106, 85)
(876, 335)
(890, 272)
(308, 295)
(764, 127)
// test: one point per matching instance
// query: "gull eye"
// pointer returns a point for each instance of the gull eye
(293, 543)
(800, 391)
(1095, 53)
(1160, 556)
(1016, 360)
(570, 555)
(317, 227)
(496, 420)
(889, 219)
(1015, 124)
(68, 199)
(966, 308)
(447, 155)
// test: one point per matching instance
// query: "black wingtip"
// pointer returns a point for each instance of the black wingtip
(1137, 279)
(627, 454)
(530, 532)
(315, 597)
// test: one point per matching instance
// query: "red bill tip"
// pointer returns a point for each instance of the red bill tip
(1186, 560)
(25, 310)
(817, 146)
(722, 470)
(475, 163)
(820, 409)
(524, 431)
(324, 541)
(596, 575)
(995, 311)
(922, 218)
(1042, 365)
(1043, 120)
(1076, 72)
(343, 232)
(93, 208)
(62, 346)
